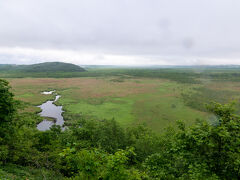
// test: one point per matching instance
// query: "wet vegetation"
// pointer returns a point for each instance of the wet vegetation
(201, 96)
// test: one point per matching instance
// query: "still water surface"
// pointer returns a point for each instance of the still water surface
(49, 109)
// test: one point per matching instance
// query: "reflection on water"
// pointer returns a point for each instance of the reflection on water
(49, 109)
(44, 125)
(48, 92)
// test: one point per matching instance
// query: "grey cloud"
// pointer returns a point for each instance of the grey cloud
(159, 28)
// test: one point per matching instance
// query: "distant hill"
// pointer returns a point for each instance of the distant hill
(43, 67)
(6, 67)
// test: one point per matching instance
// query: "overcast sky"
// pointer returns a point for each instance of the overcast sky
(120, 32)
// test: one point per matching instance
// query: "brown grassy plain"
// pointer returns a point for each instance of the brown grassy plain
(131, 101)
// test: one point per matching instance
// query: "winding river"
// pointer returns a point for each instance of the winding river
(49, 109)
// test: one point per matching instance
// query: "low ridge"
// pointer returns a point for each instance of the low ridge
(44, 67)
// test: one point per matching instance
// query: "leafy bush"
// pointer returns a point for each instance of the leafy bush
(203, 151)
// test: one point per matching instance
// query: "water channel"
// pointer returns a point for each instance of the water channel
(49, 109)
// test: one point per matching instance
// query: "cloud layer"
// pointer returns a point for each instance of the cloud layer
(120, 31)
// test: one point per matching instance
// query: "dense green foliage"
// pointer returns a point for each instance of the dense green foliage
(7, 103)
(17, 172)
(202, 152)
(93, 149)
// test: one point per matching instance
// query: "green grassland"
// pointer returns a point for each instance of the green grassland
(156, 109)
(155, 97)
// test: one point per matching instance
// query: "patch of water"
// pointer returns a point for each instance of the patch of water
(49, 109)
(44, 125)
(47, 92)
